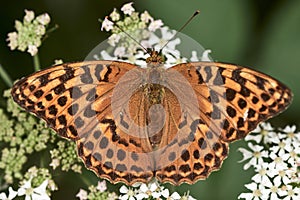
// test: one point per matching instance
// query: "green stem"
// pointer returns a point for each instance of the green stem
(4, 75)
(36, 62)
(50, 30)
(86, 181)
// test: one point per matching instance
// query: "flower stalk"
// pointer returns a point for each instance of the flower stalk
(6, 78)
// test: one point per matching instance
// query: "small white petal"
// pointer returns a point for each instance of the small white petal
(175, 196)
(13, 40)
(101, 186)
(123, 189)
(12, 194)
(107, 25)
(154, 25)
(127, 8)
(115, 16)
(43, 19)
(29, 15)
(119, 52)
(32, 49)
(144, 188)
(205, 55)
(145, 17)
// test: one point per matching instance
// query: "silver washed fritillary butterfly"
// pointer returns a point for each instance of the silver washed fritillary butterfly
(133, 124)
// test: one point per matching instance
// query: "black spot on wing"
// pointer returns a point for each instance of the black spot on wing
(86, 76)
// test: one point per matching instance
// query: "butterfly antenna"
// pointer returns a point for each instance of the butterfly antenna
(184, 25)
(121, 29)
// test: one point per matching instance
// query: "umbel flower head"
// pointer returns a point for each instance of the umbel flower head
(147, 32)
(275, 157)
(29, 33)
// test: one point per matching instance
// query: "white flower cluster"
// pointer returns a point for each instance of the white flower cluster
(29, 34)
(139, 191)
(150, 191)
(275, 157)
(150, 33)
(30, 193)
(36, 185)
(99, 192)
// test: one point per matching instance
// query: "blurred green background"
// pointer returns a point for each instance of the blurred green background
(262, 34)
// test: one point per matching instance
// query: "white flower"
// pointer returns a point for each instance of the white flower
(107, 25)
(29, 15)
(194, 57)
(82, 194)
(278, 161)
(54, 163)
(101, 186)
(126, 193)
(166, 35)
(187, 197)
(257, 192)
(145, 17)
(205, 55)
(32, 49)
(38, 193)
(165, 193)
(51, 185)
(152, 190)
(139, 59)
(13, 40)
(33, 171)
(291, 193)
(112, 196)
(113, 39)
(291, 136)
(265, 132)
(11, 194)
(282, 147)
(119, 52)
(256, 155)
(114, 15)
(154, 25)
(262, 173)
(43, 19)
(127, 8)
(273, 188)
(106, 56)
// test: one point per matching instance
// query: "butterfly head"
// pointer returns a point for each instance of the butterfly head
(155, 57)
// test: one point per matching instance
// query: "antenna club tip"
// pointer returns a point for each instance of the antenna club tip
(197, 12)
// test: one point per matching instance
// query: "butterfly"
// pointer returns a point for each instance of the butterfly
(134, 124)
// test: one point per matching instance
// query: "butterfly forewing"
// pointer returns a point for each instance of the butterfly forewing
(132, 124)
(75, 100)
(234, 99)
